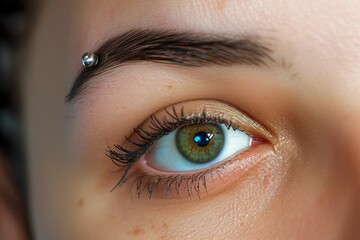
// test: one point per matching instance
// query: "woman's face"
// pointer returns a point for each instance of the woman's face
(246, 117)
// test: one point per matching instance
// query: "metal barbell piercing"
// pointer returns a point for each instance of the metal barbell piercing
(89, 59)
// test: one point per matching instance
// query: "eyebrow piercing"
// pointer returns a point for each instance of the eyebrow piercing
(89, 59)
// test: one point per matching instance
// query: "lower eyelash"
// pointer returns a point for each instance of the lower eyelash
(194, 183)
(125, 158)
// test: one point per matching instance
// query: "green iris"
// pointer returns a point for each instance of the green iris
(200, 143)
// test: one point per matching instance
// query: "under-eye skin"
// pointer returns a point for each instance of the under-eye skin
(186, 148)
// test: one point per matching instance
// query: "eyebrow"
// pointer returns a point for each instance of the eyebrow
(172, 47)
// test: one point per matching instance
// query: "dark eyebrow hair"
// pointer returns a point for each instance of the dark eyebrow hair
(172, 47)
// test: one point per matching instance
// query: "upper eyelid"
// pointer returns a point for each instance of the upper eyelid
(246, 122)
(246, 118)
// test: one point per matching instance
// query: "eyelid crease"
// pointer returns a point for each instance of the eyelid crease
(227, 110)
(210, 107)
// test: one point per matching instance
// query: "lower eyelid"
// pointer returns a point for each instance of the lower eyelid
(217, 178)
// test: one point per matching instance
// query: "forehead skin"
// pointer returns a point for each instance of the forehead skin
(317, 36)
(306, 30)
(320, 38)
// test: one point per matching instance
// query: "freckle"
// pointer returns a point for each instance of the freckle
(169, 87)
(153, 226)
(165, 226)
(220, 5)
(81, 202)
(137, 231)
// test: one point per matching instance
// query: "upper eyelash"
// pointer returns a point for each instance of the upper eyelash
(126, 158)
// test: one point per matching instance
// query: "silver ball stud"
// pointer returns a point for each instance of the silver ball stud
(89, 59)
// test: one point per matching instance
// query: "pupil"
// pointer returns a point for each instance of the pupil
(202, 139)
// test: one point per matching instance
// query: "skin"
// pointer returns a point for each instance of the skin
(305, 182)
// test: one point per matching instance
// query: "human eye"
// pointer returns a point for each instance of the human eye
(188, 148)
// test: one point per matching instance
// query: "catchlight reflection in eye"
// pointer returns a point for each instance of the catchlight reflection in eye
(195, 147)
